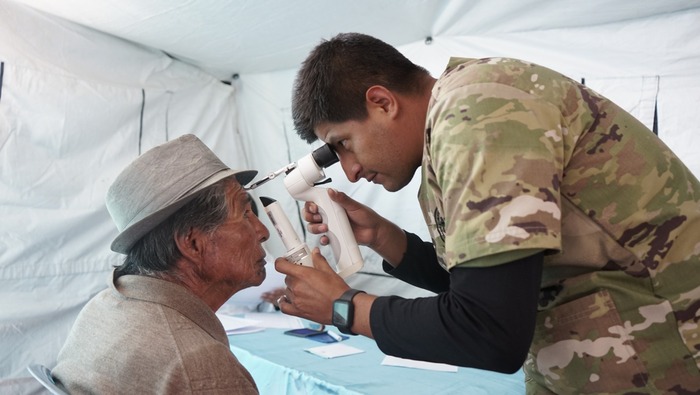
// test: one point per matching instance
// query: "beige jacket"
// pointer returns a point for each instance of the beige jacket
(148, 336)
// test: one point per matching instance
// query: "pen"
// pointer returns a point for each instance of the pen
(336, 336)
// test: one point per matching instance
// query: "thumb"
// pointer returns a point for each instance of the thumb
(343, 200)
(320, 261)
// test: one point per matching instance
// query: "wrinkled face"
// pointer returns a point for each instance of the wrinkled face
(374, 149)
(234, 254)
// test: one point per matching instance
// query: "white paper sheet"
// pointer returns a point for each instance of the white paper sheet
(410, 363)
(334, 350)
(237, 326)
(275, 320)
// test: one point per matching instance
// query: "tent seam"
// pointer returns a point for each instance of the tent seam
(2, 72)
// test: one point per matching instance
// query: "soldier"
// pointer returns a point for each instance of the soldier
(564, 233)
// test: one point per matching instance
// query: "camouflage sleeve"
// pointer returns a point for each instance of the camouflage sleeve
(497, 155)
(499, 258)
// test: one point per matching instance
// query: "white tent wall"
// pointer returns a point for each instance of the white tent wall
(77, 105)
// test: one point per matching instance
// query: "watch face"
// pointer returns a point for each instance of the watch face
(340, 313)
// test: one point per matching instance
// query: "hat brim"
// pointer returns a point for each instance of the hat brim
(131, 234)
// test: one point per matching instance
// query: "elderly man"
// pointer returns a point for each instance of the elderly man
(191, 241)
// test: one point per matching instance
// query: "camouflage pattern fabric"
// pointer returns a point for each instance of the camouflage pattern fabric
(520, 157)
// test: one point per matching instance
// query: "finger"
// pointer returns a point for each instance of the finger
(320, 261)
(311, 212)
(345, 201)
(285, 267)
(317, 228)
(282, 299)
(291, 269)
(287, 307)
(276, 292)
(311, 208)
(342, 199)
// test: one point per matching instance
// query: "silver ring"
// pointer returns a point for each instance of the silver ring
(279, 300)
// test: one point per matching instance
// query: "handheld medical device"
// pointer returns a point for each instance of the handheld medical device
(297, 251)
(301, 180)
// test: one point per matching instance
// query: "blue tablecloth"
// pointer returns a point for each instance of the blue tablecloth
(280, 366)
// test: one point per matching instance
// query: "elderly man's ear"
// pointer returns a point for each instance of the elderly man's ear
(191, 244)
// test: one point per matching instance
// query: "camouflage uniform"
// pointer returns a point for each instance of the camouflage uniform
(519, 158)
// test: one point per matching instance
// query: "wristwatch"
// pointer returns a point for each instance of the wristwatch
(344, 311)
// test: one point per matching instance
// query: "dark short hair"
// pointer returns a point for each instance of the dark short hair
(157, 252)
(332, 81)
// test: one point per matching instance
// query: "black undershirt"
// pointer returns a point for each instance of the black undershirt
(481, 318)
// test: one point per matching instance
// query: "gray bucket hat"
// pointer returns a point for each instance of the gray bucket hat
(160, 182)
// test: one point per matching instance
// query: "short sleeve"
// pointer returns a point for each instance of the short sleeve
(497, 156)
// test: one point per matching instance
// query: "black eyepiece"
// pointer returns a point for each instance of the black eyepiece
(324, 156)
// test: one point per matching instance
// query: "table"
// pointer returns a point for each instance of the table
(280, 366)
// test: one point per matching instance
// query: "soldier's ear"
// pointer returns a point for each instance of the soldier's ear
(379, 98)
